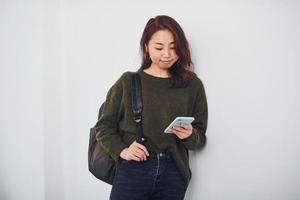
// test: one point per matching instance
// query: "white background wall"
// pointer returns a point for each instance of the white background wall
(58, 58)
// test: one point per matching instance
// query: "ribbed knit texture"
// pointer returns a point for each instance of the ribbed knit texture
(161, 105)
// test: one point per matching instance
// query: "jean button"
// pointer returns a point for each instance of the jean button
(160, 154)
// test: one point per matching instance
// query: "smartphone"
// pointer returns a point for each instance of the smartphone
(178, 121)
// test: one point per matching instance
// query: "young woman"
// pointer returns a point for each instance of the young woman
(159, 167)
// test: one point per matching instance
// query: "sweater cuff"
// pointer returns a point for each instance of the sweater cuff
(190, 140)
(116, 151)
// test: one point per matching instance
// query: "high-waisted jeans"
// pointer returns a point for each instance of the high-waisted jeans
(157, 178)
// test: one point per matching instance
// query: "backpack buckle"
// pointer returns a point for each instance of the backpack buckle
(137, 118)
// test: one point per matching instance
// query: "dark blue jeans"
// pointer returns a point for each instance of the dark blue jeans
(157, 178)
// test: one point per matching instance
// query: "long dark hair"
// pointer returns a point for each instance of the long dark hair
(181, 70)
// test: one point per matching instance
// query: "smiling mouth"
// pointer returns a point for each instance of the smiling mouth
(167, 61)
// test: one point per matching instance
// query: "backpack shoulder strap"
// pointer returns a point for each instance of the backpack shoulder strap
(137, 104)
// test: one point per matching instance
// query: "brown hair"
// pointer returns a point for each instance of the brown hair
(181, 70)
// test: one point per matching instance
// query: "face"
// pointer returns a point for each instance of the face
(161, 49)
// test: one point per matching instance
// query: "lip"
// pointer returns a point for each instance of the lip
(167, 61)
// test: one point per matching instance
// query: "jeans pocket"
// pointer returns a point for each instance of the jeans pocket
(123, 161)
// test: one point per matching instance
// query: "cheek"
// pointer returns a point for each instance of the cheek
(155, 56)
(175, 56)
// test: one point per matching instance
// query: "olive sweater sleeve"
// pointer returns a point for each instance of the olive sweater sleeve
(200, 113)
(107, 126)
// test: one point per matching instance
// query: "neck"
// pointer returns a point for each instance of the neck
(156, 71)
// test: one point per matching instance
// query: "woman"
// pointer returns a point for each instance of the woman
(159, 167)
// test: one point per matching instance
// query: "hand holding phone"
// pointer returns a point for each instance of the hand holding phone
(178, 121)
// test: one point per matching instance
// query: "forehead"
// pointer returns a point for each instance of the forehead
(162, 37)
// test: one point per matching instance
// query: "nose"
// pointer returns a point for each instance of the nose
(167, 52)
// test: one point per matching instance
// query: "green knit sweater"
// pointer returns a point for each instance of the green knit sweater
(161, 105)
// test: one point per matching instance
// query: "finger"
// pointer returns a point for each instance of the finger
(179, 129)
(143, 148)
(137, 151)
(133, 157)
(178, 134)
(141, 153)
(183, 135)
(187, 126)
(144, 154)
(185, 131)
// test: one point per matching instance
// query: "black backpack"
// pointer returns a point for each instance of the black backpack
(101, 164)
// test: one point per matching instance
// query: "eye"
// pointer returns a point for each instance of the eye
(159, 49)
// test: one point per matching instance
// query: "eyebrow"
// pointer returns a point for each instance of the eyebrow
(162, 43)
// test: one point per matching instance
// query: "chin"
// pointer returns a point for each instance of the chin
(165, 66)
